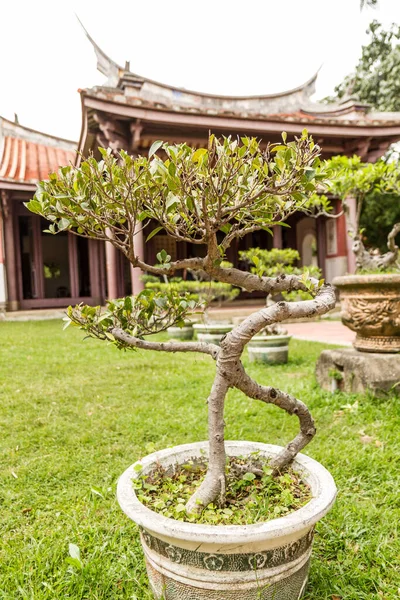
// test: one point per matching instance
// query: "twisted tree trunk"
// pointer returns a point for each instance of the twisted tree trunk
(231, 373)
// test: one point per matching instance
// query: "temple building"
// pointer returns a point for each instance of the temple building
(130, 112)
(38, 270)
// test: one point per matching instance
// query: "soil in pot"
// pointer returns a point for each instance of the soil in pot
(253, 493)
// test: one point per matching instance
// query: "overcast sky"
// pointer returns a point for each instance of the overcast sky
(222, 46)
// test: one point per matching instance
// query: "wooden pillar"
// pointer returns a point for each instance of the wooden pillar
(73, 265)
(136, 273)
(321, 244)
(350, 215)
(3, 296)
(277, 239)
(10, 254)
(111, 271)
(94, 272)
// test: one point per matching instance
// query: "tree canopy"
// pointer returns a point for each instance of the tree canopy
(376, 79)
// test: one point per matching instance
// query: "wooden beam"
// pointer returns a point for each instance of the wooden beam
(237, 124)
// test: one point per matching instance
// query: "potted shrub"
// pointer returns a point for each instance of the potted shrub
(241, 522)
(271, 346)
(371, 298)
(279, 262)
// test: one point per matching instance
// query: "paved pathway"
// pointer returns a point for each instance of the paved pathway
(327, 332)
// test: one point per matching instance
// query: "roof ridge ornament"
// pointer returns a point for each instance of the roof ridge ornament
(108, 67)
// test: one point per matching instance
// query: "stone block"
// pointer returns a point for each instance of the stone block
(355, 372)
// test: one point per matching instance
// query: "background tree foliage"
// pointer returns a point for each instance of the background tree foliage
(376, 79)
(380, 212)
(376, 188)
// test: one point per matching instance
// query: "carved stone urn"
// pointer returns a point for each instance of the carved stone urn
(191, 561)
(371, 308)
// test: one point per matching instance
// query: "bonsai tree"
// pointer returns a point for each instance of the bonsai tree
(209, 196)
(370, 184)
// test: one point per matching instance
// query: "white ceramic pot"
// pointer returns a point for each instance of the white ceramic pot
(181, 333)
(269, 349)
(212, 332)
(265, 561)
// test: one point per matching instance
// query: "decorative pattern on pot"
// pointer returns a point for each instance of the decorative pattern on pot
(273, 557)
(269, 349)
(371, 308)
(212, 332)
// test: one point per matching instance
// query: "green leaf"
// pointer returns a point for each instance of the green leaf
(154, 147)
(226, 228)
(63, 224)
(153, 233)
(198, 155)
(128, 303)
(278, 148)
(67, 322)
(75, 554)
(96, 492)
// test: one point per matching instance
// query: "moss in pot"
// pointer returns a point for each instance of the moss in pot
(211, 197)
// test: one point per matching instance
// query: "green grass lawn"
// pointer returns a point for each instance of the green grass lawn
(75, 414)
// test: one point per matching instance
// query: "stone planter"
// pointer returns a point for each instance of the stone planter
(269, 349)
(371, 308)
(190, 561)
(212, 332)
(181, 333)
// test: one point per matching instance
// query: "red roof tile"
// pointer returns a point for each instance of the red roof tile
(27, 161)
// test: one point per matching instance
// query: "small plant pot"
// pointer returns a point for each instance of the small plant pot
(269, 349)
(267, 560)
(212, 332)
(181, 333)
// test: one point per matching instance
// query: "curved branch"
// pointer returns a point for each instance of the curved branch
(196, 264)
(291, 405)
(251, 282)
(130, 340)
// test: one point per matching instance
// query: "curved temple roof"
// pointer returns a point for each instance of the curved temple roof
(131, 111)
(132, 84)
(125, 87)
